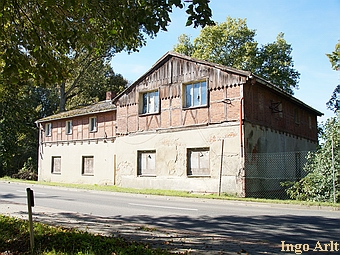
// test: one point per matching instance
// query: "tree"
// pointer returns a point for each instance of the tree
(317, 185)
(18, 134)
(232, 43)
(334, 102)
(37, 37)
(88, 81)
(90, 86)
(38, 42)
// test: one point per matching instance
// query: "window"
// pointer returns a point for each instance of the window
(93, 124)
(198, 162)
(195, 94)
(48, 129)
(69, 127)
(150, 102)
(147, 163)
(87, 165)
(296, 116)
(56, 165)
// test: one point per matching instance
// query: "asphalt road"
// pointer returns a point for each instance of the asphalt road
(245, 220)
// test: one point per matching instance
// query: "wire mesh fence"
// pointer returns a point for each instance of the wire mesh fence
(266, 172)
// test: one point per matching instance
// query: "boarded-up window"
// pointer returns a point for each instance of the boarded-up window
(198, 162)
(147, 163)
(56, 165)
(87, 166)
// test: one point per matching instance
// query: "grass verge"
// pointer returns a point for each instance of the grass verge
(50, 240)
(176, 193)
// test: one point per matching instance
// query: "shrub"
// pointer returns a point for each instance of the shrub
(27, 172)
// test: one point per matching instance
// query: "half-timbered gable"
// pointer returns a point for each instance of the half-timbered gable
(180, 92)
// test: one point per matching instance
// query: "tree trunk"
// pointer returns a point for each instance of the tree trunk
(62, 102)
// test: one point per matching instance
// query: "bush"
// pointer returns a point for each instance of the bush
(318, 184)
(27, 172)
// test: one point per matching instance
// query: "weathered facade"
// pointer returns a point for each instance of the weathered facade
(184, 125)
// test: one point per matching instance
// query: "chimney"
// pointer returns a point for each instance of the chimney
(110, 95)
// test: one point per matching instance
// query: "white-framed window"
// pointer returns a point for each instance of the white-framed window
(69, 127)
(195, 94)
(146, 163)
(87, 165)
(56, 165)
(150, 102)
(48, 129)
(198, 162)
(93, 124)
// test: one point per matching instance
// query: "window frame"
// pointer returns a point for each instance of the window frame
(48, 129)
(202, 94)
(93, 126)
(156, 102)
(84, 171)
(297, 116)
(53, 165)
(140, 164)
(190, 172)
(68, 127)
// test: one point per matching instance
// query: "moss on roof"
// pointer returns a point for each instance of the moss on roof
(102, 106)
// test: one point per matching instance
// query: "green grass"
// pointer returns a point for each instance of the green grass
(175, 193)
(50, 240)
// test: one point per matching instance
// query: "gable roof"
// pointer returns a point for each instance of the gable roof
(247, 74)
(171, 54)
(103, 106)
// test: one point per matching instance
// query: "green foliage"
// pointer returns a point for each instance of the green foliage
(47, 48)
(37, 37)
(50, 240)
(90, 79)
(28, 172)
(334, 102)
(334, 57)
(18, 135)
(317, 185)
(232, 43)
(275, 64)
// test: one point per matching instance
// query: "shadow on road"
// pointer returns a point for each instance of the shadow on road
(208, 235)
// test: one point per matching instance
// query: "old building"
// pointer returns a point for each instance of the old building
(186, 124)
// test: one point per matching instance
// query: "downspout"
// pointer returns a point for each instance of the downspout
(241, 126)
(40, 147)
(242, 158)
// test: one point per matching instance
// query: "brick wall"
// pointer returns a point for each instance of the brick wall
(271, 109)
(106, 127)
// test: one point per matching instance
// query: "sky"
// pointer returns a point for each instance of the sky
(311, 27)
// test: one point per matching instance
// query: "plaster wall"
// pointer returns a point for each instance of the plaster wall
(171, 159)
(273, 157)
(71, 162)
